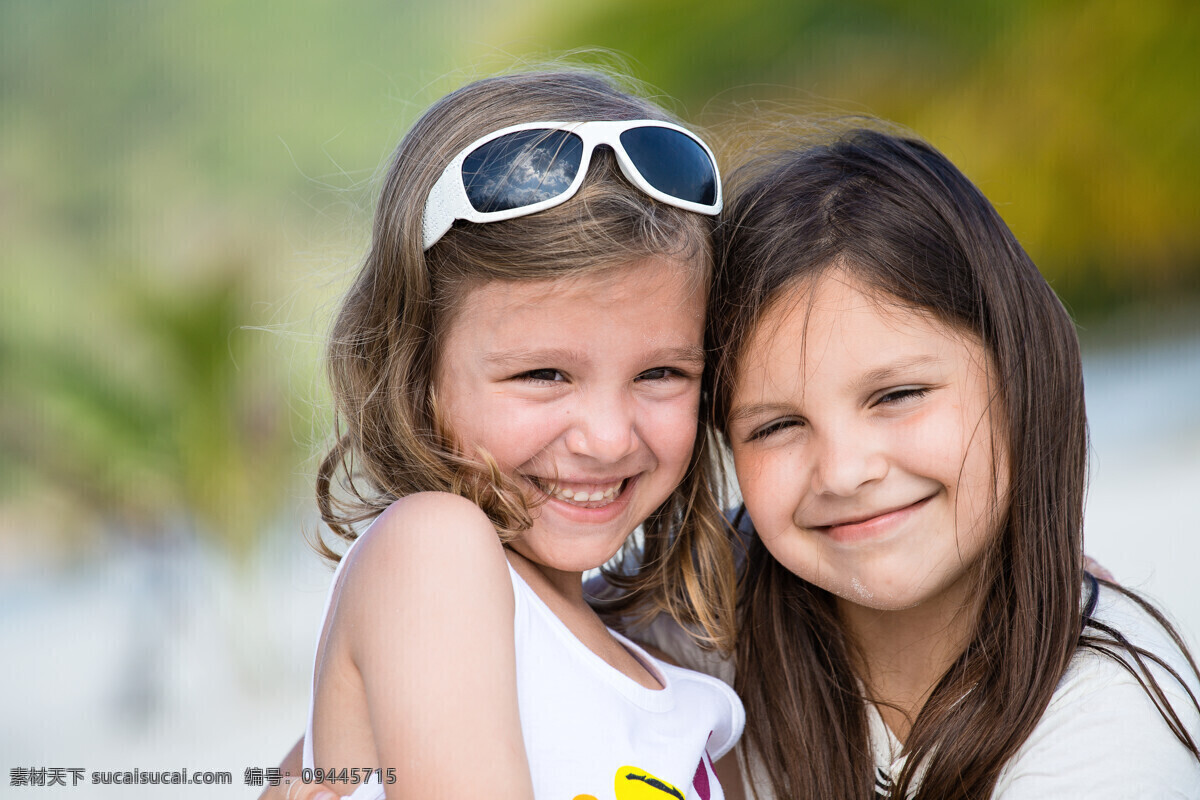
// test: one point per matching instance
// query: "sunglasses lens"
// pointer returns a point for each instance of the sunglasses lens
(672, 163)
(521, 168)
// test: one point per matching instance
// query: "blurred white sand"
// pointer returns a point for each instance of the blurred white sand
(1143, 507)
(227, 655)
(224, 654)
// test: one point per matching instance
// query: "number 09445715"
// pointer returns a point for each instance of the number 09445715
(347, 775)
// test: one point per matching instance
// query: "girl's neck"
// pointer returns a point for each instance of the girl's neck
(901, 655)
(563, 586)
(562, 593)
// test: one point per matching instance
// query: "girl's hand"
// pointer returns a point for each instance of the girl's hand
(296, 789)
(1091, 565)
(293, 788)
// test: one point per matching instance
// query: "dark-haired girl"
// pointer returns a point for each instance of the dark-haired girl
(902, 393)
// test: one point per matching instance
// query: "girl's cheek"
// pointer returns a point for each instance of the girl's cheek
(933, 442)
(676, 419)
(750, 471)
(526, 427)
(769, 485)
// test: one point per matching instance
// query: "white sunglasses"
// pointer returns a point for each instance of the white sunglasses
(527, 168)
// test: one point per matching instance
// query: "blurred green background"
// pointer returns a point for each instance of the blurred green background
(184, 188)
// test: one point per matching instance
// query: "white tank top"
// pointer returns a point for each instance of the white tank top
(593, 733)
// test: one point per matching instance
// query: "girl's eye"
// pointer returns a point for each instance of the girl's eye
(773, 427)
(659, 374)
(542, 376)
(896, 396)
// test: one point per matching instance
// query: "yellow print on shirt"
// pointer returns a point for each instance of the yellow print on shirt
(632, 783)
(636, 784)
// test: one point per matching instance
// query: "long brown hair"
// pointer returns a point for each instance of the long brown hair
(383, 349)
(903, 220)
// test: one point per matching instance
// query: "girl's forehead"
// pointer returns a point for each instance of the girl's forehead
(838, 297)
(603, 284)
(655, 296)
(836, 312)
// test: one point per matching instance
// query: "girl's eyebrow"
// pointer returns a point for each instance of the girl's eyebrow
(688, 354)
(869, 380)
(525, 356)
(889, 372)
(739, 413)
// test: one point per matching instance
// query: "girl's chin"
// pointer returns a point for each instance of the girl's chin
(548, 550)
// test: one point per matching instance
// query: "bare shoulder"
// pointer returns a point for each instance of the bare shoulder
(425, 530)
(424, 546)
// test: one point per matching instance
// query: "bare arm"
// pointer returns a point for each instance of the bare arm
(426, 616)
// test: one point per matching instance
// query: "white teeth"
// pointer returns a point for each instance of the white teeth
(595, 495)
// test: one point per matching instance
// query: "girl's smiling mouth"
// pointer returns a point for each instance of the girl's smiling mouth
(582, 494)
(872, 525)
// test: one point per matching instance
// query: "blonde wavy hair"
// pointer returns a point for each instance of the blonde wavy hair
(382, 356)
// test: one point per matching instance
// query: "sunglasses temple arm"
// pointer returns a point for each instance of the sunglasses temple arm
(439, 209)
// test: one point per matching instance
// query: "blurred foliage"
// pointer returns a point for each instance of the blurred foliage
(1079, 120)
(181, 184)
(174, 411)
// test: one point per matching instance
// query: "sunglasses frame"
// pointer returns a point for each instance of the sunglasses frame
(448, 199)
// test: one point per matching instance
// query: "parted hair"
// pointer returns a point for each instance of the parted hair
(899, 217)
(391, 440)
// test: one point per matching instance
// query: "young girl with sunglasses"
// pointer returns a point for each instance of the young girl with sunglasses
(903, 397)
(516, 372)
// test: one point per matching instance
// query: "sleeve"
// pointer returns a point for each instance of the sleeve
(1103, 737)
(728, 734)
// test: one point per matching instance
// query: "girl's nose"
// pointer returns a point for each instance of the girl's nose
(605, 428)
(845, 462)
